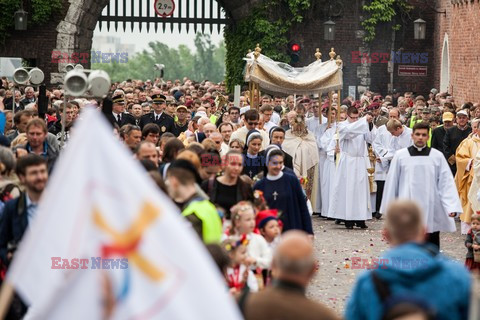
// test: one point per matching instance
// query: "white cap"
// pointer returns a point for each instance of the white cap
(462, 112)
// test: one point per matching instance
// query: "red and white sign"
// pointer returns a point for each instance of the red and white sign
(415, 71)
(164, 8)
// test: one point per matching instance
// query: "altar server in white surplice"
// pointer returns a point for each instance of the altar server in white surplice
(389, 138)
(350, 199)
(327, 145)
(422, 174)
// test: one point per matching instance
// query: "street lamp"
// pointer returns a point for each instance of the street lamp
(419, 28)
(329, 28)
(21, 19)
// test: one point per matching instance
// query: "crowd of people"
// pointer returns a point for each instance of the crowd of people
(248, 177)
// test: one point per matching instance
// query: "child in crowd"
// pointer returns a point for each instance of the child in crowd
(238, 273)
(243, 222)
(473, 243)
(267, 224)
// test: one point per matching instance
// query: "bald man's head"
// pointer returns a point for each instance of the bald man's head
(293, 258)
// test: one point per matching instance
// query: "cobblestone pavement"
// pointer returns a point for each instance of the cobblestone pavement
(334, 245)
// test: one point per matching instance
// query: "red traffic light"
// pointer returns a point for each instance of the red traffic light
(295, 47)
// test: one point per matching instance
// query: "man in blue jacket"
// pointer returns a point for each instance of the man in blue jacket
(410, 272)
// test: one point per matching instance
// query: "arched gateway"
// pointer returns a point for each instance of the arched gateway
(72, 29)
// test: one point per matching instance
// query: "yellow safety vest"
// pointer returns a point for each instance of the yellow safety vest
(211, 222)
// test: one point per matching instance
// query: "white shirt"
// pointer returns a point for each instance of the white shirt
(268, 126)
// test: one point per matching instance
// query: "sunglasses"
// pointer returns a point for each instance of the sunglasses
(252, 123)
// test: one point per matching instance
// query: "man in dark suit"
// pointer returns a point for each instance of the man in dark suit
(439, 132)
(29, 98)
(164, 122)
(454, 136)
(293, 266)
(118, 114)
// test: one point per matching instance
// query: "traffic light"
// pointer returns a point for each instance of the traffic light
(294, 50)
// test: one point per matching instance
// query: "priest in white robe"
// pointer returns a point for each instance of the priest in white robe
(317, 127)
(301, 145)
(422, 174)
(350, 199)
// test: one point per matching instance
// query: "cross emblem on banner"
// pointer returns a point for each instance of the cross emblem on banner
(126, 243)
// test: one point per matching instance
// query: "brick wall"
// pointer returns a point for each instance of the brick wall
(349, 37)
(35, 43)
(462, 26)
(464, 40)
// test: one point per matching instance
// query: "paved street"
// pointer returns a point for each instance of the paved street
(335, 246)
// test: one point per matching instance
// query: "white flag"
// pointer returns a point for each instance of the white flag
(123, 240)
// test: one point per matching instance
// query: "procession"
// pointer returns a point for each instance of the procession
(273, 190)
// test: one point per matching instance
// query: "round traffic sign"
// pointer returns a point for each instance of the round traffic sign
(164, 8)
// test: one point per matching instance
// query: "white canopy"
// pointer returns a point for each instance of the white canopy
(279, 77)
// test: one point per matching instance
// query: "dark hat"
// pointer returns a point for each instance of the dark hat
(158, 98)
(177, 95)
(187, 165)
(426, 110)
(118, 99)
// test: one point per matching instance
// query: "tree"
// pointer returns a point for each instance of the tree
(208, 62)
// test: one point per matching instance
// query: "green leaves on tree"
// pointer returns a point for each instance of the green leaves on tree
(381, 11)
(39, 12)
(268, 24)
(206, 63)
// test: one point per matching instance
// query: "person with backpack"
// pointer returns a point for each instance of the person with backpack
(412, 274)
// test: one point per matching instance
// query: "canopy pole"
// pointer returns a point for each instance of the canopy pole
(338, 105)
(320, 107)
(329, 108)
(294, 101)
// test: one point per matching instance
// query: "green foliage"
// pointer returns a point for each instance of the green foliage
(41, 12)
(44, 9)
(260, 27)
(382, 11)
(206, 63)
